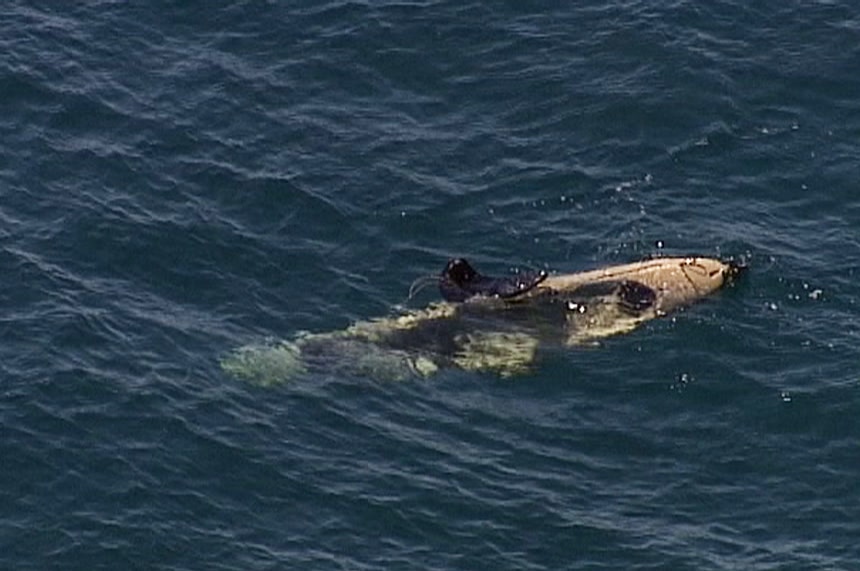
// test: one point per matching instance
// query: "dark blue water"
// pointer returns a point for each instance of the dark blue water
(178, 179)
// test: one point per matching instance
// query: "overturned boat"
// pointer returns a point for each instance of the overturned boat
(492, 324)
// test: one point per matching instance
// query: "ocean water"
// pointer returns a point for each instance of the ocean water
(179, 179)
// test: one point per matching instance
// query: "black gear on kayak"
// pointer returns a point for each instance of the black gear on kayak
(459, 281)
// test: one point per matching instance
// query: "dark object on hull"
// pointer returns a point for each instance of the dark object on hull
(459, 281)
(632, 296)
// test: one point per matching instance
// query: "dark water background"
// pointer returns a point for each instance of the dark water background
(178, 179)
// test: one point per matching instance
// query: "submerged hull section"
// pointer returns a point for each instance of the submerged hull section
(491, 334)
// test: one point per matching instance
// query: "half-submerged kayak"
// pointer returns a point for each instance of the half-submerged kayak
(492, 324)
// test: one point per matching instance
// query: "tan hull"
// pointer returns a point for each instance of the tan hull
(676, 281)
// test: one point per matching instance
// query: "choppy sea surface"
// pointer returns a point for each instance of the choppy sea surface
(179, 179)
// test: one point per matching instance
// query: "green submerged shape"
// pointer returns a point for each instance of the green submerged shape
(265, 364)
